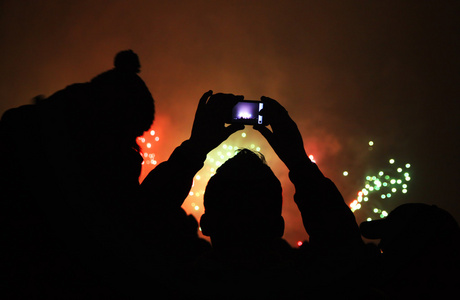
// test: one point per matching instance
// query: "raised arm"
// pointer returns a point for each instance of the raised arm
(327, 219)
(170, 182)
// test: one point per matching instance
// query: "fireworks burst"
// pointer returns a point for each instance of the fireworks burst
(391, 181)
(146, 142)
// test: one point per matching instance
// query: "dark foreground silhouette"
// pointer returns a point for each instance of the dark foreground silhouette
(76, 224)
(420, 252)
(74, 219)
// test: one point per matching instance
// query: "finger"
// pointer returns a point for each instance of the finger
(269, 107)
(219, 100)
(204, 99)
(222, 104)
(276, 114)
(273, 104)
(267, 99)
(200, 110)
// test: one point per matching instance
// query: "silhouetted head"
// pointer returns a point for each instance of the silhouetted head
(243, 202)
(421, 247)
(121, 98)
(412, 227)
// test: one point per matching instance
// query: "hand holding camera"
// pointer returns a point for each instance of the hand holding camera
(209, 128)
(285, 137)
(216, 110)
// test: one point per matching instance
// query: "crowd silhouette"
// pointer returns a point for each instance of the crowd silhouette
(76, 223)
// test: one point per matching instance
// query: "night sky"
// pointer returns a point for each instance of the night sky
(347, 71)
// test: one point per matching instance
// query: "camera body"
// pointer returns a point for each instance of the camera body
(247, 112)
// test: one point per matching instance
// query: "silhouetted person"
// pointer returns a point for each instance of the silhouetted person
(243, 203)
(420, 246)
(243, 219)
(69, 186)
(335, 246)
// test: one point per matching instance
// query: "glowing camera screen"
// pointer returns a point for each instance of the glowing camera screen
(247, 112)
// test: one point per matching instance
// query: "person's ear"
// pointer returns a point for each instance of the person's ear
(205, 225)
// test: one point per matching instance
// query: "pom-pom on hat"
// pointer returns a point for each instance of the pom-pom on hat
(127, 61)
